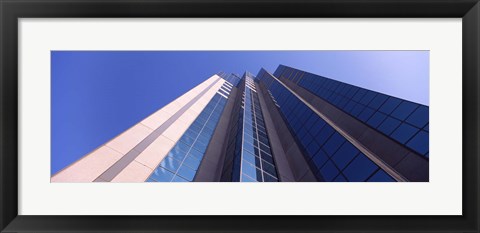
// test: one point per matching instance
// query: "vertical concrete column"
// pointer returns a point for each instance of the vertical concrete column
(283, 167)
(211, 167)
(289, 158)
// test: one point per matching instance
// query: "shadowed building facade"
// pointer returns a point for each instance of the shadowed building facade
(289, 126)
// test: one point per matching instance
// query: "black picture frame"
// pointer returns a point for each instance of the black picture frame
(11, 11)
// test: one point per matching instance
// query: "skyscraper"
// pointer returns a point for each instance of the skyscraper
(289, 126)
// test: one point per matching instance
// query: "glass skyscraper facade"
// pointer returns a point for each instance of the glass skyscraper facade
(253, 160)
(331, 156)
(285, 126)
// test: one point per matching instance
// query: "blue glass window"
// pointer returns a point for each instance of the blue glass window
(249, 157)
(191, 162)
(319, 159)
(357, 109)
(344, 155)
(161, 175)
(249, 169)
(269, 178)
(359, 95)
(378, 101)
(349, 107)
(376, 119)
(368, 97)
(267, 158)
(186, 139)
(419, 118)
(333, 143)
(340, 178)
(315, 129)
(324, 134)
(419, 143)
(404, 132)
(389, 125)
(200, 146)
(186, 173)
(269, 168)
(404, 110)
(179, 155)
(313, 147)
(345, 90)
(311, 121)
(170, 164)
(196, 154)
(178, 179)
(359, 169)
(366, 114)
(329, 171)
(381, 176)
(343, 102)
(352, 92)
(181, 147)
(245, 178)
(390, 105)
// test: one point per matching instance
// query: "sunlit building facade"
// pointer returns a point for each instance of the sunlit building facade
(286, 126)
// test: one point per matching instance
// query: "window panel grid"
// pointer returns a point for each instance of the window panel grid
(365, 104)
(182, 162)
(255, 163)
(328, 153)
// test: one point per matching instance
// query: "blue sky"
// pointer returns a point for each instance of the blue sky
(98, 94)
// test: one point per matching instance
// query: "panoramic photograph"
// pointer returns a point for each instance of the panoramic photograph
(239, 116)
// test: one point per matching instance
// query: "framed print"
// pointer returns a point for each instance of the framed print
(239, 116)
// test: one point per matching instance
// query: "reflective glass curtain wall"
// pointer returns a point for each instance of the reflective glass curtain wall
(404, 121)
(328, 153)
(252, 157)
